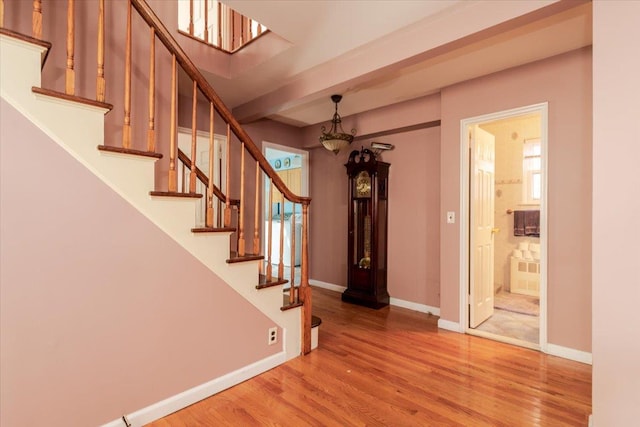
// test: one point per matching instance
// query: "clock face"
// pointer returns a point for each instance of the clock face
(363, 185)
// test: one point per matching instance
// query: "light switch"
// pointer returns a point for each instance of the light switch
(451, 217)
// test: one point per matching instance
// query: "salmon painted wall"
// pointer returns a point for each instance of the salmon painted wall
(101, 313)
(564, 82)
(616, 213)
(414, 186)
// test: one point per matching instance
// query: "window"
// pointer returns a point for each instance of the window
(531, 171)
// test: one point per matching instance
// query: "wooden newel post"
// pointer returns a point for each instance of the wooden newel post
(305, 290)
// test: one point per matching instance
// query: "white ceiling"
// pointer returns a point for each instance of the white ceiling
(381, 52)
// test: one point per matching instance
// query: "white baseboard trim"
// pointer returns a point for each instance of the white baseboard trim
(422, 308)
(449, 325)
(569, 353)
(182, 400)
(329, 286)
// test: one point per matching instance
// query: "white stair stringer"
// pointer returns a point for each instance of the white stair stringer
(79, 129)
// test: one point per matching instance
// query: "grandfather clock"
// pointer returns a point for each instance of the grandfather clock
(367, 238)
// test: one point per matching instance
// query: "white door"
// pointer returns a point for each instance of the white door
(482, 203)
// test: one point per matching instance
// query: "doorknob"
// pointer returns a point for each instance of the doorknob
(495, 230)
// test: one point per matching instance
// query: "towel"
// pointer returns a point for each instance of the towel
(526, 223)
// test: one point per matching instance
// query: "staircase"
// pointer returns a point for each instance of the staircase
(132, 171)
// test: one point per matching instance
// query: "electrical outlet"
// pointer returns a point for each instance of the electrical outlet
(273, 335)
(451, 217)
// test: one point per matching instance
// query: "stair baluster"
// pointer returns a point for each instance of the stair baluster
(281, 257)
(151, 133)
(241, 240)
(173, 178)
(70, 75)
(100, 81)
(292, 280)
(269, 236)
(209, 210)
(36, 20)
(194, 136)
(256, 214)
(126, 128)
(227, 208)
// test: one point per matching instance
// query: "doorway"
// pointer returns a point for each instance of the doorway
(504, 242)
(292, 165)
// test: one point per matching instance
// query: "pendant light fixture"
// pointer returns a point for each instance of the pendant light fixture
(336, 139)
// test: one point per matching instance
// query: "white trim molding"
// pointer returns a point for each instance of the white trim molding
(396, 302)
(569, 353)
(543, 110)
(326, 285)
(172, 404)
(450, 326)
(422, 308)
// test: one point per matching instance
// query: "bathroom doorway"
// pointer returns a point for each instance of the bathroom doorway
(503, 283)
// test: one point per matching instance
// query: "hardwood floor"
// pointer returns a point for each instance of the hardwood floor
(394, 367)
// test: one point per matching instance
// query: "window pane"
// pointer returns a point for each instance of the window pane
(535, 164)
(536, 187)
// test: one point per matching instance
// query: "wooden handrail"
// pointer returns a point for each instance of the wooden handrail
(189, 67)
(182, 156)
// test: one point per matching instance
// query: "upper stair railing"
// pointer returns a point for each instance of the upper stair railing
(218, 25)
(245, 166)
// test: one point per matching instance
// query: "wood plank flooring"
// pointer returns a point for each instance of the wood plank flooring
(394, 367)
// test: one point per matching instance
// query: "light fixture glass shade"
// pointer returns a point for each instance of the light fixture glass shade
(336, 139)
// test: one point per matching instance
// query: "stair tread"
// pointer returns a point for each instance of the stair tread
(73, 98)
(29, 39)
(289, 306)
(131, 151)
(212, 229)
(263, 283)
(233, 258)
(315, 321)
(175, 194)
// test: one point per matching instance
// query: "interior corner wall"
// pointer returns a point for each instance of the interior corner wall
(565, 82)
(414, 194)
(616, 214)
(101, 313)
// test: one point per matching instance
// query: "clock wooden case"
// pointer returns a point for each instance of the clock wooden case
(367, 230)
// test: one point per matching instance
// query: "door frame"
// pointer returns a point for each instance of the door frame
(304, 184)
(464, 255)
